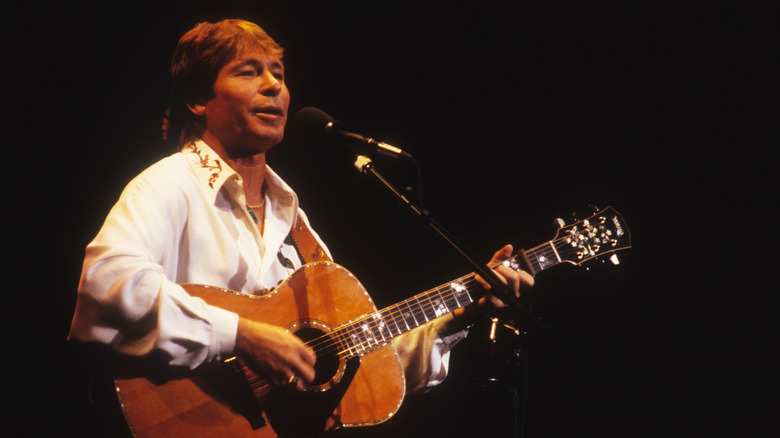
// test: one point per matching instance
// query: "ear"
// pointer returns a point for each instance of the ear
(197, 108)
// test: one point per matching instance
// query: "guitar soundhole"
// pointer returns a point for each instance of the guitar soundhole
(328, 367)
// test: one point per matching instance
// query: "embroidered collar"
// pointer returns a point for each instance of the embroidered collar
(215, 176)
(212, 173)
(207, 163)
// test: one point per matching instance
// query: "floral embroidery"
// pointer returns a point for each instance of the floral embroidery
(205, 162)
(287, 263)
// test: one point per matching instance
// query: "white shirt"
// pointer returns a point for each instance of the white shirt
(184, 220)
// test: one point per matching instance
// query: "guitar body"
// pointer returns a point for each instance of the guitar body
(316, 297)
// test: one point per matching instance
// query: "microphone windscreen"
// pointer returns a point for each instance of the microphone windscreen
(310, 123)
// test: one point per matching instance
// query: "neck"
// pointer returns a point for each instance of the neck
(253, 175)
(250, 167)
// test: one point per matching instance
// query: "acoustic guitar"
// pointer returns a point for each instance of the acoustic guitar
(359, 380)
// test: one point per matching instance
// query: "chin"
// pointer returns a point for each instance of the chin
(264, 143)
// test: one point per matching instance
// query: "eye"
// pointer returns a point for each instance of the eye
(278, 74)
(249, 71)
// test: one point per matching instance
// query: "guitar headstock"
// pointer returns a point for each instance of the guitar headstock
(603, 233)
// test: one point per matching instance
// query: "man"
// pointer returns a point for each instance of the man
(215, 213)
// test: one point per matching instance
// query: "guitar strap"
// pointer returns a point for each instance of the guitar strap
(308, 248)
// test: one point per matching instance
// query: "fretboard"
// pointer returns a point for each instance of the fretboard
(375, 330)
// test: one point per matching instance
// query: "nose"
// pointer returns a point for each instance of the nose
(270, 85)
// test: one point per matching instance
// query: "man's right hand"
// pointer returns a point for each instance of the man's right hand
(276, 354)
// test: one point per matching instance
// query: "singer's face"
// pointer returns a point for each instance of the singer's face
(248, 112)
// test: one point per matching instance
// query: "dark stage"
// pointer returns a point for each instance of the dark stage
(517, 114)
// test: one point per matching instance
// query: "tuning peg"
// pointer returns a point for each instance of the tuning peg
(559, 222)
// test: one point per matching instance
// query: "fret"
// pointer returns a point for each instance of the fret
(557, 256)
(389, 324)
(389, 316)
(408, 316)
(542, 257)
(448, 298)
(370, 333)
(440, 305)
(356, 342)
(460, 294)
(420, 309)
(428, 309)
(345, 343)
(533, 259)
(426, 306)
(359, 336)
(451, 298)
(380, 328)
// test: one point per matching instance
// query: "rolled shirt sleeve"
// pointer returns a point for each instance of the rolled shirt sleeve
(425, 352)
(126, 298)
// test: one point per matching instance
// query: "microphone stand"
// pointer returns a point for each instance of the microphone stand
(497, 287)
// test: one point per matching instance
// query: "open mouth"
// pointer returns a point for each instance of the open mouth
(269, 111)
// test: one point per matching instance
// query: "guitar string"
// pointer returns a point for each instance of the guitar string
(367, 333)
(356, 330)
(394, 312)
(395, 315)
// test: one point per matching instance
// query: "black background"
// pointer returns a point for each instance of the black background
(517, 114)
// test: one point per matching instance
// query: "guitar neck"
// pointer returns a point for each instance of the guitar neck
(372, 331)
(543, 256)
(600, 234)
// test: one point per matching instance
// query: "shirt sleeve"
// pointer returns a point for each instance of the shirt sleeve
(125, 299)
(425, 352)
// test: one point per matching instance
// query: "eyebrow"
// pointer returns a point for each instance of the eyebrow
(253, 61)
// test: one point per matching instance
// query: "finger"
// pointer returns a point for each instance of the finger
(304, 369)
(503, 254)
(296, 382)
(489, 297)
(510, 277)
(307, 373)
(309, 356)
(526, 279)
(485, 285)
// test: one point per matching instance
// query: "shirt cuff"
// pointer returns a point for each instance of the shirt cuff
(223, 333)
(449, 325)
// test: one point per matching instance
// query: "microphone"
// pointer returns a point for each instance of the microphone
(315, 124)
